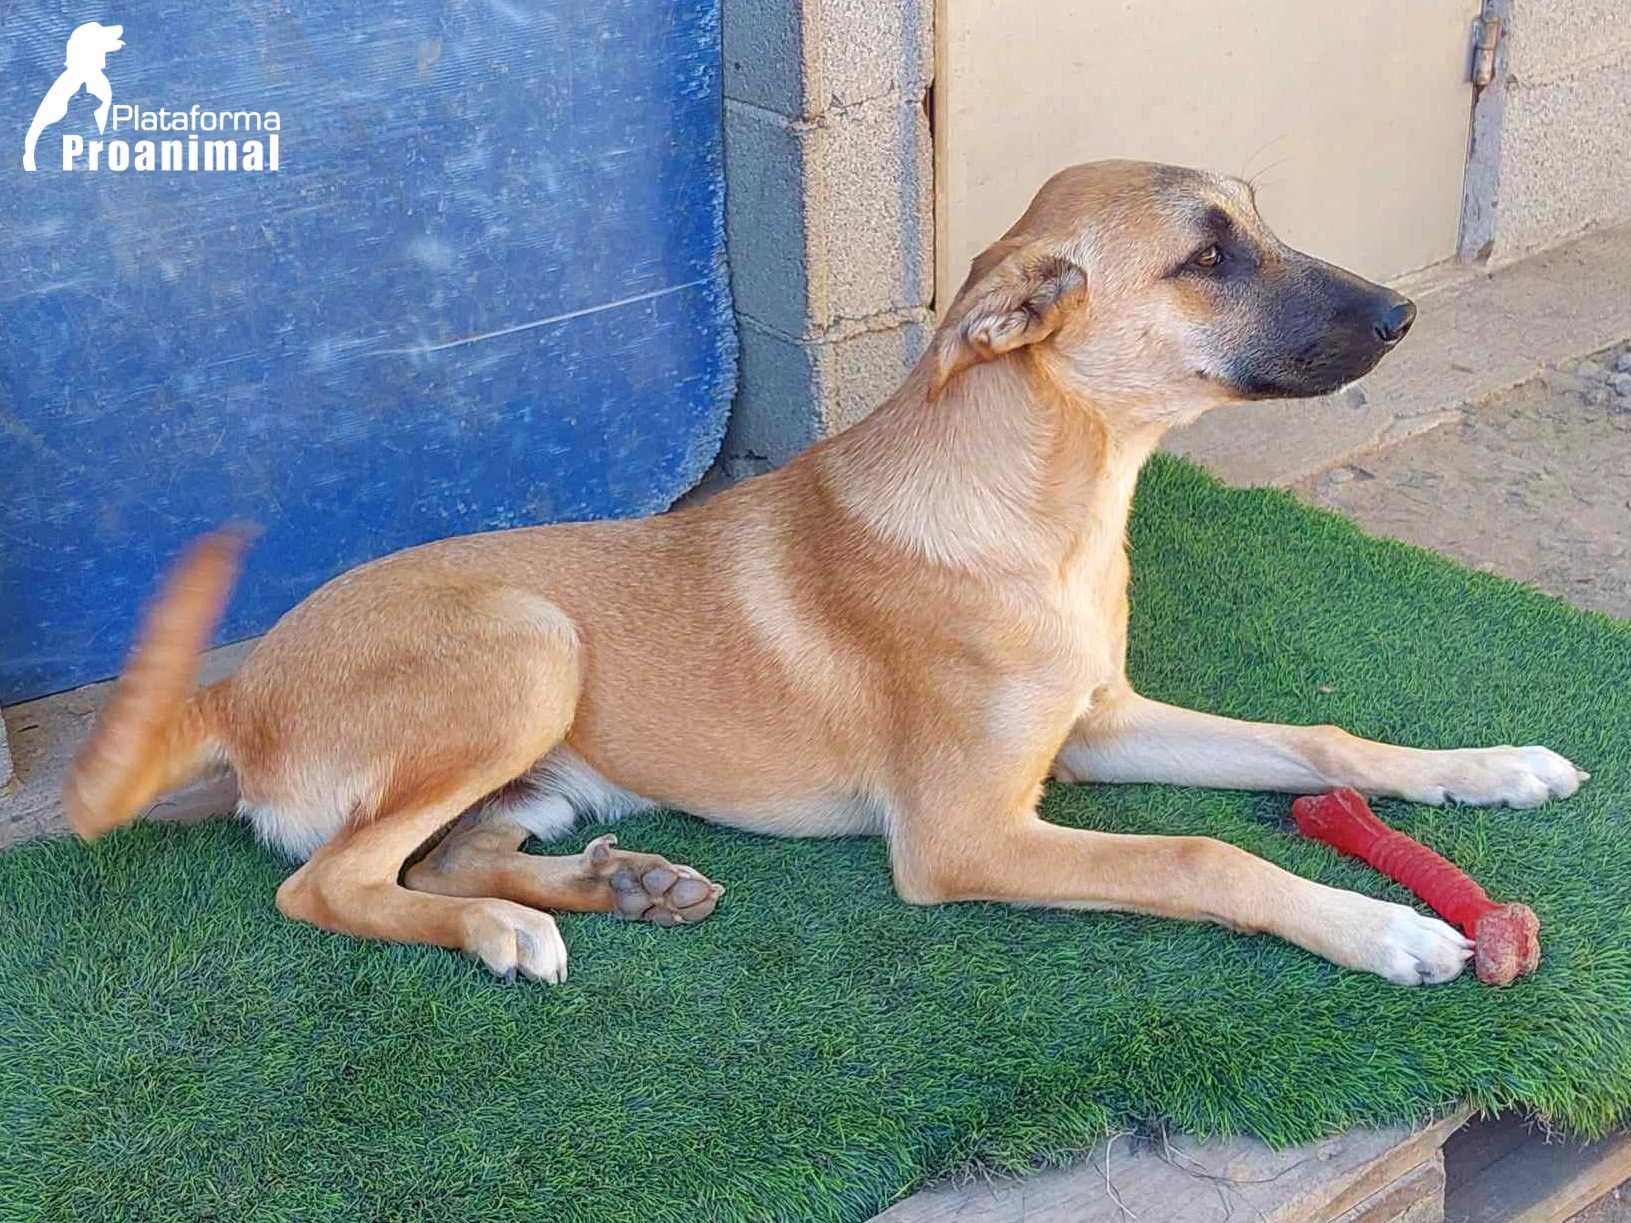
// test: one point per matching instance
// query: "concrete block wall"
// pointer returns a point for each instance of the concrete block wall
(1551, 143)
(829, 213)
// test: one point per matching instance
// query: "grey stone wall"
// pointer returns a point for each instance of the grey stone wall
(829, 213)
(1551, 142)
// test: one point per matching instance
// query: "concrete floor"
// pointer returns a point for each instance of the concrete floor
(1535, 486)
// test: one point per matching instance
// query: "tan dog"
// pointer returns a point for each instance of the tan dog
(902, 632)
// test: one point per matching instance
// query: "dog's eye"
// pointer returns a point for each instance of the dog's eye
(1208, 257)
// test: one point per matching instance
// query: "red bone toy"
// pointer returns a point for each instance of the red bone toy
(1506, 938)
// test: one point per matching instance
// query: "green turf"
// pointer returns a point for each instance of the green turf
(170, 1048)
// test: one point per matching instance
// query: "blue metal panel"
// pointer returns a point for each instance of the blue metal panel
(485, 287)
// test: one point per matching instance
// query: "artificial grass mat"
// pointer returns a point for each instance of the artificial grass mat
(170, 1047)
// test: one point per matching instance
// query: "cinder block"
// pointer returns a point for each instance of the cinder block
(793, 392)
(805, 59)
(764, 53)
(869, 49)
(776, 412)
(829, 220)
(7, 773)
(859, 373)
(1564, 158)
(767, 217)
(879, 226)
(1547, 157)
(1553, 39)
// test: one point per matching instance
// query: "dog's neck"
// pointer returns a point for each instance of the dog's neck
(1005, 468)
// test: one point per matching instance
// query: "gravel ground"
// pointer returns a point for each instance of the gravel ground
(1536, 486)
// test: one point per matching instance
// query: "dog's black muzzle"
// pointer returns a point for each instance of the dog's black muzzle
(1322, 327)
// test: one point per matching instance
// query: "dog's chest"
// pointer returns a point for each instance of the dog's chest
(1078, 645)
(1090, 607)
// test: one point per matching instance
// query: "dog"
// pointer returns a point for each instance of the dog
(86, 67)
(903, 632)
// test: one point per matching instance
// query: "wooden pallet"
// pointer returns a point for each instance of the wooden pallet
(1503, 1168)
(1493, 1170)
(1363, 1176)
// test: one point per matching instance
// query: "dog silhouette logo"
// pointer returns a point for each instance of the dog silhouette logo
(86, 68)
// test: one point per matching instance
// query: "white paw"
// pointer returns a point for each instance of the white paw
(1493, 776)
(1408, 948)
(511, 938)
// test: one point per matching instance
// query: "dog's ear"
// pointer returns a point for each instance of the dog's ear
(1014, 296)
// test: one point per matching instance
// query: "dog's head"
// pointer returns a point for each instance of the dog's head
(90, 45)
(1161, 290)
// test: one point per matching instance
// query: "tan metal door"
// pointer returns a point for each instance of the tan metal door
(1352, 118)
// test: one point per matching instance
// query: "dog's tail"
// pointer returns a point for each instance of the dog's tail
(157, 729)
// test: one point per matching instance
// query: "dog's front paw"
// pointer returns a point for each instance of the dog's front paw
(1496, 776)
(646, 887)
(1409, 948)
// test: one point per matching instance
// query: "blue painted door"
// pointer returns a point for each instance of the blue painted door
(484, 286)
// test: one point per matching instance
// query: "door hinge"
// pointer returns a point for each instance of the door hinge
(1483, 59)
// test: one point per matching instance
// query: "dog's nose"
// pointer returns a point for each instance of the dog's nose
(1394, 321)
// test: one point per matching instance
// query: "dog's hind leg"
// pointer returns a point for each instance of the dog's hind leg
(350, 886)
(482, 858)
(444, 729)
